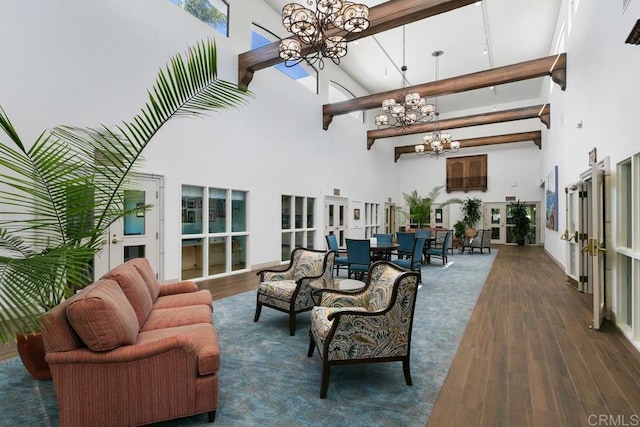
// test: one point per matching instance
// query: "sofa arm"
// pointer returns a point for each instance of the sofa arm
(127, 353)
(178, 288)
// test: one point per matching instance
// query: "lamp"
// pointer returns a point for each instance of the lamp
(437, 143)
(412, 110)
(312, 28)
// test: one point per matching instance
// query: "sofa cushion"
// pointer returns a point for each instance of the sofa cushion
(177, 316)
(103, 317)
(146, 272)
(202, 297)
(134, 287)
(202, 336)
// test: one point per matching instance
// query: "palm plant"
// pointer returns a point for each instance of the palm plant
(472, 211)
(59, 197)
(420, 207)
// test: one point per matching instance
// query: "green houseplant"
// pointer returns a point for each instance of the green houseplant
(472, 211)
(61, 194)
(521, 222)
(420, 207)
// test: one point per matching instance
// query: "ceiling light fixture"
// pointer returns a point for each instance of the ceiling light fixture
(312, 28)
(437, 143)
(413, 109)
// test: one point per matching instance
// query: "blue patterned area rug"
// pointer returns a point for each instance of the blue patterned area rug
(266, 378)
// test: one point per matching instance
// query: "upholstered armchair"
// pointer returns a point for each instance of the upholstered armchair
(370, 325)
(289, 290)
(481, 241)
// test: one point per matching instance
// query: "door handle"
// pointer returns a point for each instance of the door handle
(114, 240)
(593, 247)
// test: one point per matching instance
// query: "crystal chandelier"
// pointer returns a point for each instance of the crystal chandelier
(412, 110)
(311, 27)
(437, 143)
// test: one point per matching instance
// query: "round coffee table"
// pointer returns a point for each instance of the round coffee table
(350, 284)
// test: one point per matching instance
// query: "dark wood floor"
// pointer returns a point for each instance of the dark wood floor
(528, 357)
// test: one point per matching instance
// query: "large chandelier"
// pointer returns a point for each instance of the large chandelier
(311, 27)
(437, 143)
(413, 109)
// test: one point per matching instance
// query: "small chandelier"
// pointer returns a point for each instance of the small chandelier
(412, 110)
(437, 143)
(311, 27)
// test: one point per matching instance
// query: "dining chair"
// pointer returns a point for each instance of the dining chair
(332, 244)
(427, 235)
(405, 244)
(383, 239)
(415, 262)
(358, 256)
(441, 252)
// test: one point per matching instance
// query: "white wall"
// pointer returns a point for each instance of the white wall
(602, 93)
(90, 62)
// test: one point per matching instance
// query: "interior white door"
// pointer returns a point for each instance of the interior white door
(495, 219)
(137, 234)
(596, 245)
(574, 194)
(335, 218)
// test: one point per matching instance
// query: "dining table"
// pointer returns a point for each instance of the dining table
(383, 251)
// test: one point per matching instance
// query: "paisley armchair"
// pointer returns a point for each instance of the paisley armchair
(289, 290)
(370, 325)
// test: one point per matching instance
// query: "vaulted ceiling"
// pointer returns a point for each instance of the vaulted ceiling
(476, 36)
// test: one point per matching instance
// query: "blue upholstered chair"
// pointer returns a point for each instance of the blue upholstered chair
(415, 262)
(289, 290)
(405, 244)
(370, 325)
(441, 251)
(340, 261)
(359, 257)
(383, 239)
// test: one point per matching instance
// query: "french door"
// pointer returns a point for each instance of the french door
(335, 218)
(495, 219)
(137, 235)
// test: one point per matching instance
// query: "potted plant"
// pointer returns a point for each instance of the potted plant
(521, 222)
(472, 211)
(420, 207)
(61, 194)
(458, 232)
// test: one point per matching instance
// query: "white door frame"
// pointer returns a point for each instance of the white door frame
(112, 254)
(340, 225)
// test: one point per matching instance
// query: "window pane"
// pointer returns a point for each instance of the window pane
(191, 209)
(310, 212)
(299, 207)
(131, 252)
(217, 255)
(134, 222)
(217, 210)
(191, 258)
(215, 13)
(239, 252)
(286, 246)
(311, 238)
(238, 211)
(286, 212)
(300, 239)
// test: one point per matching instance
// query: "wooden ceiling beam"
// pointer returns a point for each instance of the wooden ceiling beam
(555, 66)
(543, 112)
(535, 136)
(383, 17)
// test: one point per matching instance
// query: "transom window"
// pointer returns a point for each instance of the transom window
(214, 13)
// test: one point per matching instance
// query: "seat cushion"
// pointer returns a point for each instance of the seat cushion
(103, 317)
(177, 316)
(277, 293)
(202, 297)
(320, 323)
(202, 338)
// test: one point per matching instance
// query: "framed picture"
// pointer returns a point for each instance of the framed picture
(191, 203)
(356, 214)
(140, 210)
(551, 195)
(220, 208)
(191, 217)
(212, 216)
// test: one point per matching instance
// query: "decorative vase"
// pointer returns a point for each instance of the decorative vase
(31, 351)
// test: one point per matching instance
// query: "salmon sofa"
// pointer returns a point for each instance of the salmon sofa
(127, 351)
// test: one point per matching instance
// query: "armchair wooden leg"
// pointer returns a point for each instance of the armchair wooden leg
(292, 324)
(312, 345)
(258, 311)
(324, 385)
(407, 371)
